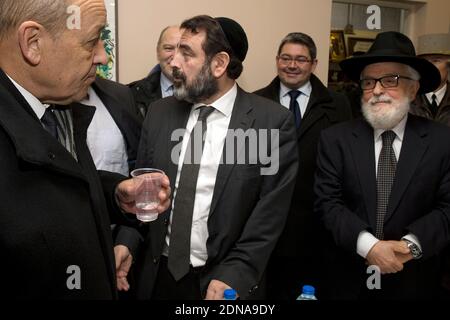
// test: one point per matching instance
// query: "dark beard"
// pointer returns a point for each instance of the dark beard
(203, 87)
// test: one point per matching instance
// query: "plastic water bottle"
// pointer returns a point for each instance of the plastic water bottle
(307, 293)
(229, 294)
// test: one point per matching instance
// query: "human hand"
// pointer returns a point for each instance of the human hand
(124, 260)
(125, 193)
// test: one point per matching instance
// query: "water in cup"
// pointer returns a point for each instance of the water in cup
(148, 184)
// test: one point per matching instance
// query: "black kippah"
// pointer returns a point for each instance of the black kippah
(235, 35)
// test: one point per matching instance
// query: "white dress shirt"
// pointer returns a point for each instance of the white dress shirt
(104, 138)
(366, 240)
(302, 99)
(439, 95)
(37, 106)
(166, 86)
(217, 126)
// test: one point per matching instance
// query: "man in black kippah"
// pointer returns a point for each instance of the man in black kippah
(230, 203)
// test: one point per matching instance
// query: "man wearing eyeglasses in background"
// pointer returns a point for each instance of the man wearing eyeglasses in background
(296, 259)
(383, 181)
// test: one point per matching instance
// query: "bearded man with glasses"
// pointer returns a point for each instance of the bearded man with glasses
(383, 181)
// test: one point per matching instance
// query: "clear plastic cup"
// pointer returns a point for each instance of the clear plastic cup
(147, 183)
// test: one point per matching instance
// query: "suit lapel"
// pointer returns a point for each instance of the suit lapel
(82, 117)
(319, 105)
(178, 120)
(363, 151)
(414, 146)
(240, 119)
(313, 113)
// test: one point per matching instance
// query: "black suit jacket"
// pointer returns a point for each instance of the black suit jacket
(119, 101)
(324, 109)
(248, 210)
(147, 90)
(53, 212)
(419, 203)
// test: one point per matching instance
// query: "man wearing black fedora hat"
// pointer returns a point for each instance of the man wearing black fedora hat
(383, 182)
(228, 211)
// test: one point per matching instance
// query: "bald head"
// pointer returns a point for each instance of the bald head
(51, 14)
(167, 43)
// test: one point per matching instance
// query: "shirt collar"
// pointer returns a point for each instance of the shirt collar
(165, 83)
(89, 99)
(399, 130)
(224, 104)
(439, 94)
(37, 106)
(305, 89)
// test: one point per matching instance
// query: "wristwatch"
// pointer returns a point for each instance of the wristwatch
(414, 249)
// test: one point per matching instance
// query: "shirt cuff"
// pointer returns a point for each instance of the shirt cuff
(413, 239)
(365, 242)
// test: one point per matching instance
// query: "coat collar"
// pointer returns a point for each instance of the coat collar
(32, 142)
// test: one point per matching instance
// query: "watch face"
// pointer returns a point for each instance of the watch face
(415, 251)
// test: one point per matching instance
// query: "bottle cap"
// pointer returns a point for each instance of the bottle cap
(229, 294)
(308, 290)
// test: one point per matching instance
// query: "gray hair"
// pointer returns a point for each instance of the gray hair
(51, 14)
(412, 73)
(302, 39)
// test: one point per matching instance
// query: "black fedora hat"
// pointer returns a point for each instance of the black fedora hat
(394, 47)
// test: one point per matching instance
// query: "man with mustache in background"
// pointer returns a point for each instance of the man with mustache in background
(383, 182)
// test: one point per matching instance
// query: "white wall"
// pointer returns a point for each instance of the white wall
(266, 22)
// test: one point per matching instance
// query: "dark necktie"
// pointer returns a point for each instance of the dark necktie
(50, 122)
(180, 235)
(387, 165)
(434, 106)
(294, 107)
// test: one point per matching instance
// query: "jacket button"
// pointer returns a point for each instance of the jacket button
(166, 221)
(155, 260)
(52, 156)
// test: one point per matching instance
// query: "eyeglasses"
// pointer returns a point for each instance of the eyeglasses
(386, 82)
(287, 60)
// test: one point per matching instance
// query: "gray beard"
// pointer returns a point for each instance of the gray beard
(202, 87)
(387, 117)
